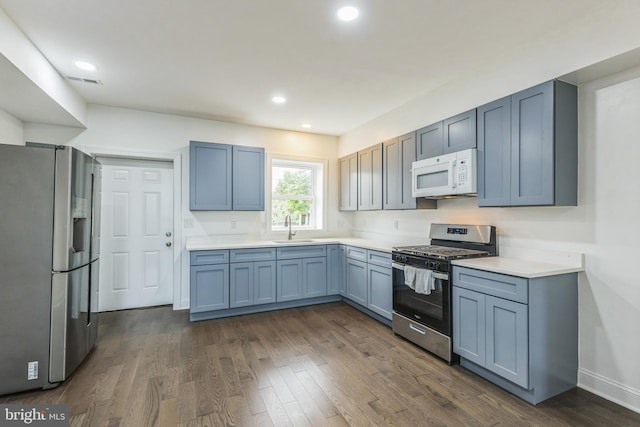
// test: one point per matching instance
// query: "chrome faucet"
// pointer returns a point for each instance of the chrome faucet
(287, 223)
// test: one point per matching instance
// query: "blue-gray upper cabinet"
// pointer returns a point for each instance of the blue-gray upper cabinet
(225, 177)
(542, 153)
(430, 141)
(370, 178)
(348, 169)
(398, 155)
(448, 136)
(248, 178)
(459, 132)
(210, 176)
(494, 153)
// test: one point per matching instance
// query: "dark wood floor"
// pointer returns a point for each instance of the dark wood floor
(324, 365)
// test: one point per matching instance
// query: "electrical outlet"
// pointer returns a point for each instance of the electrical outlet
(188, 223)
(395, 224)
(234, 224)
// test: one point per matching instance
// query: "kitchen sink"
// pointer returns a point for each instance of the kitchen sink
(292, 241)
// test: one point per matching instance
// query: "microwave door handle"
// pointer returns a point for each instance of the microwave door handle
(452, 170)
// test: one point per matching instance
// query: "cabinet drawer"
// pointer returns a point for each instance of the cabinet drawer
(209, 257)
(293, 252)
(383, 259)
(357, 253)
(499, 285)
(252, 254)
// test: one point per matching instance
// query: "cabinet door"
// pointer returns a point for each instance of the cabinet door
(532, 150)
(334, 269)
(364, 180)
(398, 156)
(376, 177)
(430, 141)
(357, 281)
(407, 157)
(289, 280)
(494, 153)
(348, 167)
(314, 277)
(469, 336)
(380, 290)
(391, 174)
(460, 132)
(507, 351)
(343, 270)
(248, 178)
(264, 282)
(241, 284)
(209, 176)
(209, 287)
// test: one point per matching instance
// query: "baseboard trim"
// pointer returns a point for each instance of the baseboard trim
(609, 389)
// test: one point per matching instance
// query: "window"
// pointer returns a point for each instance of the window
(296, 190)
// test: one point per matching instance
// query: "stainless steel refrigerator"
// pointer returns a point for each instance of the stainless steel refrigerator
(49, 261)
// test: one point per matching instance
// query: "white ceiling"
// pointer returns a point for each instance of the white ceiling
(225, 59)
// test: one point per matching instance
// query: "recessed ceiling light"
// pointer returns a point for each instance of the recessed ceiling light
(306, 125)
(86, 66)
(348, 13)
(279, 99)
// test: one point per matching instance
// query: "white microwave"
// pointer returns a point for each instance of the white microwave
(451, 174)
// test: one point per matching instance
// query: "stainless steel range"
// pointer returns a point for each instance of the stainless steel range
(422, 283)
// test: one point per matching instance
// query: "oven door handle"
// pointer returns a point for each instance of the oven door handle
(435, 274)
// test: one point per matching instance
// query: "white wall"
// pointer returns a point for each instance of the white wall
(18, 49)
(11, 129)
(603, 227)
(141, 133)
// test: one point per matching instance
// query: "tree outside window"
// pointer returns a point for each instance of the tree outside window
(294, 186)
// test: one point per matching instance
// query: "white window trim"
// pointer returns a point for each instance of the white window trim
(269, 196)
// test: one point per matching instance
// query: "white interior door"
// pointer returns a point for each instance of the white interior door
(137, 234)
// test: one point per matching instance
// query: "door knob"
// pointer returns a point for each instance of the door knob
(168, 244)
(168, 234)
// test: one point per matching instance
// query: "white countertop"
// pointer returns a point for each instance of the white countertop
(211, 243)
(519, 267)
(519, 262)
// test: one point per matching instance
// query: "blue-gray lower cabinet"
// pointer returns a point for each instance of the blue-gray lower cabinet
(357, 281)
(334, 270)
(301, 278)
(252, 283)
(289, 279)
(343, 270)
(521, 334)
(209, 287)
(314, 277)
(380, 290)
